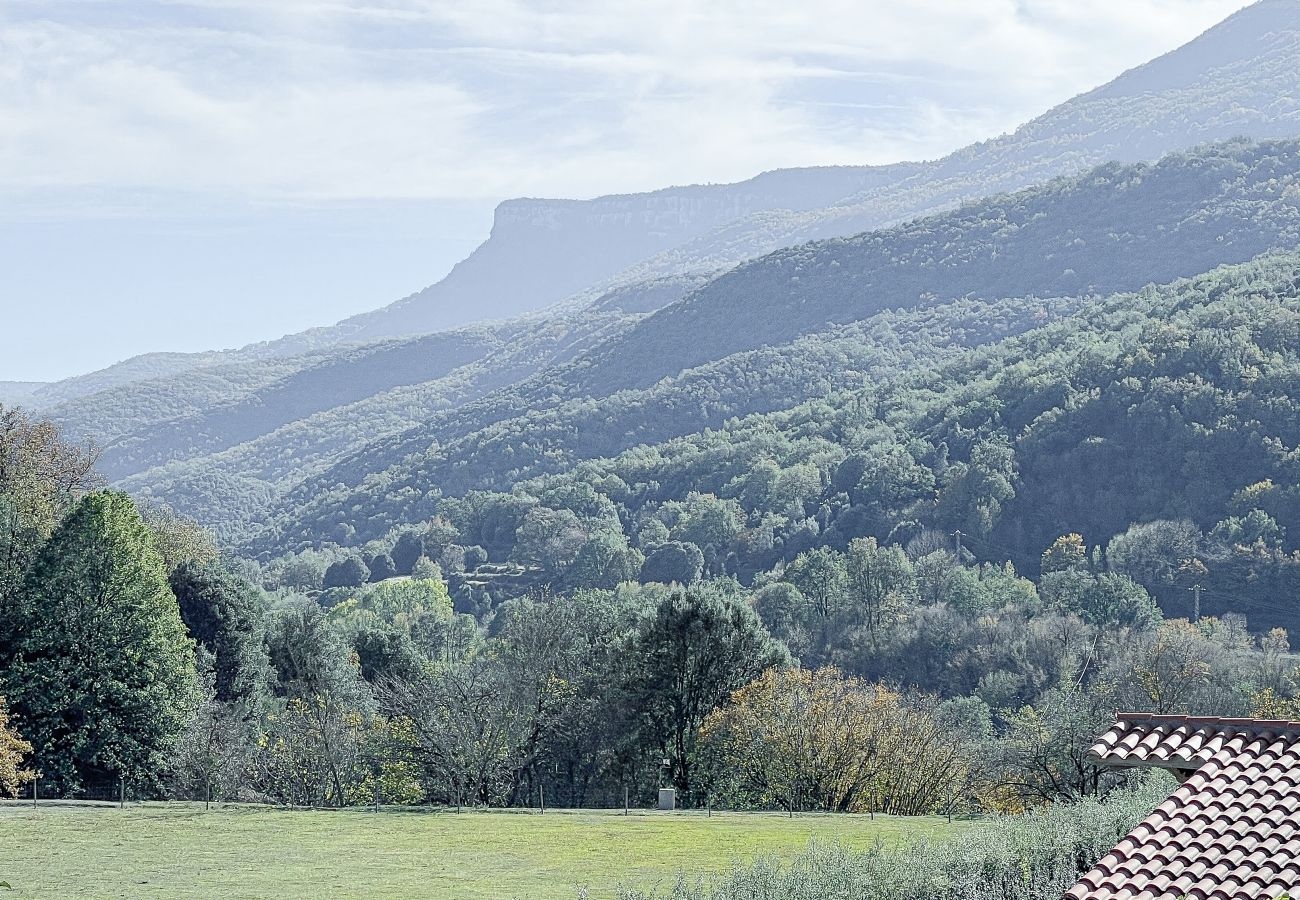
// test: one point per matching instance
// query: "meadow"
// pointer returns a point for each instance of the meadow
(181, 850)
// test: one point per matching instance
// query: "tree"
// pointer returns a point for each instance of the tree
(179, 540)
(690, 654)
(1170, 667)
(102, 679)
(799, 739)
(12, 750)
(426, 569)
(381, 567)
(1044, 756)
(1108, 599)
(213, 753)
(605, 561)
(350, 572)
(312, 752)
(408, 548)
(1067, 552)
(41, 476)
(673, 562)
(879, 583)
(820, 577)
(222, 612)
(549, 538)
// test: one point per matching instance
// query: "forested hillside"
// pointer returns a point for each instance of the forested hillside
(1014, 444)
(227, 461)
(223, 443)
(1014, 246)
(1113, 228)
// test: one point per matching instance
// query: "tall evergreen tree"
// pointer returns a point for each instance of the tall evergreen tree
(222, 612)
(690, 653)
(102, 675)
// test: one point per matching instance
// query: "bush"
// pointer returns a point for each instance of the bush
(350, 572)
(1012, 858)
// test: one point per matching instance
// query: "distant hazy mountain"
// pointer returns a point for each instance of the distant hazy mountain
(225, 433)
(14, 393)
(1241, 77)
(542, 251)
(743, 343)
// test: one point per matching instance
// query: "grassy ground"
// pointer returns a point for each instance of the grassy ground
(179, 850)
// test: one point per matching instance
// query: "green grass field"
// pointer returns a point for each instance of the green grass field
(179, 850)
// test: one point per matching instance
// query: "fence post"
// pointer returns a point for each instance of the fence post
(121, 792)
(35, 781)
(625, 799)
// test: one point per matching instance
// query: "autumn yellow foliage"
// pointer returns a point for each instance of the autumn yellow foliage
(12, 750)
(800, 739)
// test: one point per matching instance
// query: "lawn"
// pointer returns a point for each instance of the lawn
(179, 850)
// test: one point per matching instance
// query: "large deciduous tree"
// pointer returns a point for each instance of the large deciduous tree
(102, 676)
(40, 477)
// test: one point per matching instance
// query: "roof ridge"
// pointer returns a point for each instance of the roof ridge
(1238, 722)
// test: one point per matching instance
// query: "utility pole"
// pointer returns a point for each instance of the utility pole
(1196, 603)
(957, 538)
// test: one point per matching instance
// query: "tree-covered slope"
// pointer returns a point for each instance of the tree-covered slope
(229, 483)
(736, 339)
(1112, 228)
(1161, 425)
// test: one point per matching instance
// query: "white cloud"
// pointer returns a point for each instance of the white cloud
(279, 100)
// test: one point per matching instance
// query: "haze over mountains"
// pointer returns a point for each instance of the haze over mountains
(1239, 78)
(648, 344)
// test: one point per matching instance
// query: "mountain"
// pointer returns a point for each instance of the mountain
(1113, 228)
(744, 343)
(13, 393)
(542, 251)
(225, 463)
(226, 435)
(1241, 77)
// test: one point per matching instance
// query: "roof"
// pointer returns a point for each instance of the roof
(1231, 830)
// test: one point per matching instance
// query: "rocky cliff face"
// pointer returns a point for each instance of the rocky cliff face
(541, 251)
(1240, 78)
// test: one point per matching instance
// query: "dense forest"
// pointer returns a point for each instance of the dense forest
(223, 445)
(891, 521)
(980, 688)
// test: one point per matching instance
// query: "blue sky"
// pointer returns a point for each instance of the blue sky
(200, 174)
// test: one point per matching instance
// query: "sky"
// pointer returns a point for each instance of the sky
(180, 175)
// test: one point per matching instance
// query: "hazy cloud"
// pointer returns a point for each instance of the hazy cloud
(316, 99)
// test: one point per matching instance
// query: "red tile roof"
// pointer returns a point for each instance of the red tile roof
(1232, 830)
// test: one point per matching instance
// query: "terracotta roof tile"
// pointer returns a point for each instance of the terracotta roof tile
(1230, 832)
